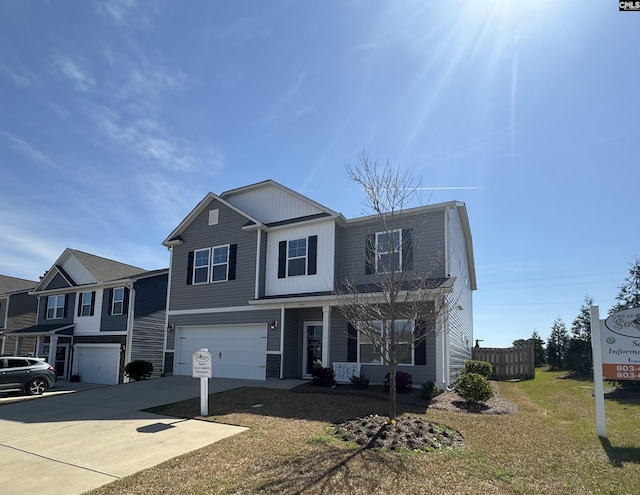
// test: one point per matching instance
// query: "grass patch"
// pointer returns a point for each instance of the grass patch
(550, 446)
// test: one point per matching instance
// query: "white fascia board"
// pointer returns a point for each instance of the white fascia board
(464, 217)
(403, 213)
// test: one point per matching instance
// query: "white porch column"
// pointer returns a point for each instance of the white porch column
(53, 345)
(326, 329)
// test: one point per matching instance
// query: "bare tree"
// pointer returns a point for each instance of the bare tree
(404, 306)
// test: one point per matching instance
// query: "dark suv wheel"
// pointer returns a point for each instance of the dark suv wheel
(37, 386)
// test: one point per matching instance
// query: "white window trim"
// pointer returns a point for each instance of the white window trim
(226, 275)
(305, 257)
(82, 305)
(378, 254)
(208, 266)
(114, 301)
(55, 307)
(382, 363)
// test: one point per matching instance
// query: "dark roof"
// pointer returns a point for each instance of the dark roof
(59, 329)
(13, 284)
(104, 269)
(298, 219)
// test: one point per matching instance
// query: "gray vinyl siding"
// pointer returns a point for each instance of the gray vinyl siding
(3, 310)
(460, 317)
(262, 276)
(113, 323)
(428, 246)
(338, 254)
(291, 356)
(70, 307)
(200, 235)
(226, 318)
(21, 314)
(148, 321)
(57, 282)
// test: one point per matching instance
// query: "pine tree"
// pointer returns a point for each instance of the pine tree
(629, 295)
(578, 356)
(538, 348)
(556, 344)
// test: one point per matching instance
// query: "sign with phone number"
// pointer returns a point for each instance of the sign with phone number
(621, 371)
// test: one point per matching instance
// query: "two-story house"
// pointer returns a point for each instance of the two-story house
(94, 315)
(253, 273)
(17, 310)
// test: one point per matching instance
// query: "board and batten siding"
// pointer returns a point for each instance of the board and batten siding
(460, 317)
(291, 355)
(200, 235)
(428, 234)
(77, 271)
(114, 323)
(20, 313)
(4, 301)
(322, 280)
(86, 325)
(148, 321)
(271, 204)
(57, 282)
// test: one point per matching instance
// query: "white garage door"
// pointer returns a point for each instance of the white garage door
(237, 351)
(98, 363)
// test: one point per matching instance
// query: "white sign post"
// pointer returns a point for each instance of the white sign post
(202, 369)
(615, 343)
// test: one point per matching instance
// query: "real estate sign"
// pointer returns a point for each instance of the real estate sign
(620, 345)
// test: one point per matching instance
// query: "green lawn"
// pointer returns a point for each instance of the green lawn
(549, 447)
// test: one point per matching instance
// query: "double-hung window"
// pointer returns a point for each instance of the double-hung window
(117, 305)
(297, 257)
(55, 307)
(388, 251)
(201, 266)
(85, 303)
(219, 263)
(370, 351)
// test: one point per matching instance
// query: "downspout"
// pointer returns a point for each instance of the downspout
(166, 310)
(130, 319)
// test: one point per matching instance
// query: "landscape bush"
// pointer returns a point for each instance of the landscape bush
(480, 367)
(324, 377)
(138, 370)
(473, 387)
(404, 381)
(429, 390)
(359, 381)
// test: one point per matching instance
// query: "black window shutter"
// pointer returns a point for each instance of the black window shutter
(125, 302)
(233, 251)
(80, 304)
(312, 258)
(282, 259)
(110, 300)
(66, 303)
(190, 268)
(420, 349)
(407, 250)
(93, 302)
(370, 255)
(352, 344)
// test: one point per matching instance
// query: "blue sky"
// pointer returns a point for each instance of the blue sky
(117, 117)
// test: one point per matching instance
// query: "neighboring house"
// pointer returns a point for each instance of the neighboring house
(17, 310)
(253, 273)
(94, 315)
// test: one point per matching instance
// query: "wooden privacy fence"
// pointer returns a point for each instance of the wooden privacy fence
(510, 363)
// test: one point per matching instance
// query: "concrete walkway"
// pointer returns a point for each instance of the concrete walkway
(67, 443)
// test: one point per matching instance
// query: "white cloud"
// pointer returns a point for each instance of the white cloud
(68, 68)
(28, 150)
(18, 79)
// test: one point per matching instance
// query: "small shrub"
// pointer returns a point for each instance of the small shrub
(324, 377)
(359, 381)
(429, 390)
(473, 387)
(404, 381)
(138, 370)
(480, 367)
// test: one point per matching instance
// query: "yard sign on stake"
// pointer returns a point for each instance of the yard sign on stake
(202, 370)
(615, 343)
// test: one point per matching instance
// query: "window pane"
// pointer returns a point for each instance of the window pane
(369, 354)
(297, 266)
(200, 275)
(201, 258)
(219, 273)
(404, 353)
(220, 255)
(118, 294)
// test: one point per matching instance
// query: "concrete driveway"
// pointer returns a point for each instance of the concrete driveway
(72, 442)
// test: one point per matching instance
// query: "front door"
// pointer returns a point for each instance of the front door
(62, 357)
(312, 355)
